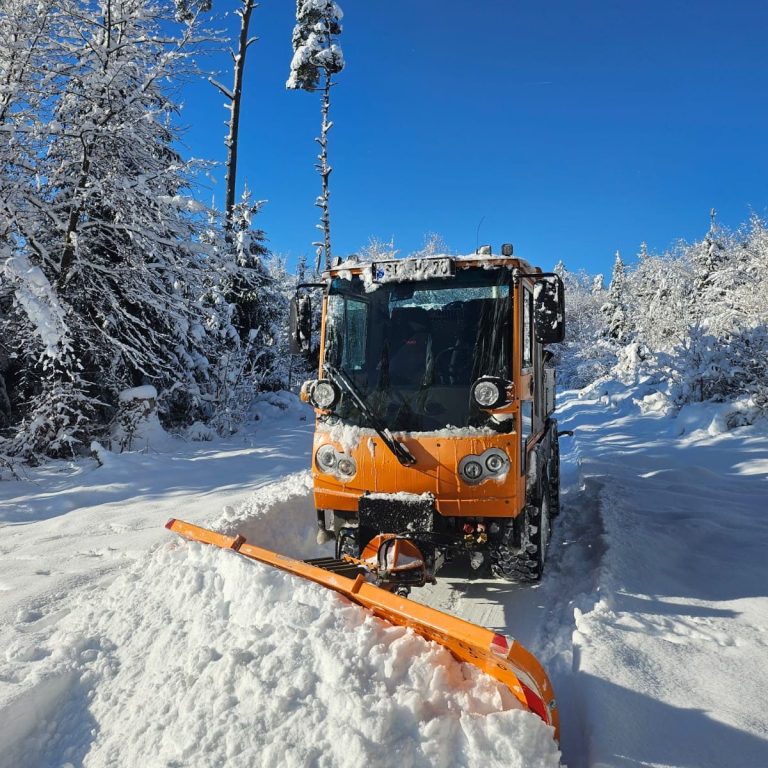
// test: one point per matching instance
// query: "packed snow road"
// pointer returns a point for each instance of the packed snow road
(652, 618)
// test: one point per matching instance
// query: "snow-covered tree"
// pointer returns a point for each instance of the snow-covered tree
(110, 285)
(434, 245)
(586, 354)
(317, 57)
(378, 250)
(618, 323)
(698, 319)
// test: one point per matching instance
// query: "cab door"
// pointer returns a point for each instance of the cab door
(532, 392)
(527, 390)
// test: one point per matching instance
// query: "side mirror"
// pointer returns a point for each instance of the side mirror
(300, 325)
(549, 309)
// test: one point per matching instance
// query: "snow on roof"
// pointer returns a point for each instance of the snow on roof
(353, 264)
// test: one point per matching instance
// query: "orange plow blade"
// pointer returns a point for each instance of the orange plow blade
(497, 655)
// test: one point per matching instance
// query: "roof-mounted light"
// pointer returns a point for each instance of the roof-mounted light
(324, 394)
(490, 392)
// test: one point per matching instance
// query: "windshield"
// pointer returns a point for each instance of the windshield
(413, 350)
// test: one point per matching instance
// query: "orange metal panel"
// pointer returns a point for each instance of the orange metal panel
(498, 656)
(435, 472)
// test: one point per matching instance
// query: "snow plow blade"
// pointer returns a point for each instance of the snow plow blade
(497, 655)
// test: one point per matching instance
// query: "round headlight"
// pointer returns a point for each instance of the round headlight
(487, 394)
(495, 462)
(326, 458)
(346, 466)
(323, 394)
(472, 470)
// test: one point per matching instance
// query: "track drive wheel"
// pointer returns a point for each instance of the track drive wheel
(526, 563)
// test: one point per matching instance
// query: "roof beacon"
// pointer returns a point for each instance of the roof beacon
(506, 249)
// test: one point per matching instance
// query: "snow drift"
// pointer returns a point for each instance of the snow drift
(197, 657)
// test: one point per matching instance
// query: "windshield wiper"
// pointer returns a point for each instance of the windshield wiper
(342, 380)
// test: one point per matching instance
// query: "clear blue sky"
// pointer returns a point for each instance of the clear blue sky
(572, 129)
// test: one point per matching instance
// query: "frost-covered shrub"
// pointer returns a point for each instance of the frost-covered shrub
(237, 376)
(137, 411)
(58, 423)
(587, 353)
(200, 432)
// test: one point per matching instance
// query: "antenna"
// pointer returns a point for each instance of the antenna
(477, 233)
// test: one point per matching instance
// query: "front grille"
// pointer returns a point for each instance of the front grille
(396, 513)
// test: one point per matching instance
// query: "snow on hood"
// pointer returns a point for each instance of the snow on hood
(199, 657)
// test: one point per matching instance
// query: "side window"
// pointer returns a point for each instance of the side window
(527, 328)
(356, 327)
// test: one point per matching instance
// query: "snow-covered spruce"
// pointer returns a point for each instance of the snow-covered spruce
(317, 57)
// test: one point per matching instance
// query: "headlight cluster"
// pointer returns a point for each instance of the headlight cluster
(492, 463)
(322, 393)
(333, 462)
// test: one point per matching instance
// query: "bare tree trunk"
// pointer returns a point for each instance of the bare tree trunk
(235, 97)
(325, 172)
(73, 222)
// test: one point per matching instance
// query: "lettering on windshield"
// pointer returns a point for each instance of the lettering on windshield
(411, 269)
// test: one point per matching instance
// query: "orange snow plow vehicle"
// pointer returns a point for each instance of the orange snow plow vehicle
(434, 408)
(434, 441)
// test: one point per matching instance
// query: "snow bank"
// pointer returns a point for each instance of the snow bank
(200, 432)
(280, 516)
(199, 658)
(270, 405)
(667, 652)
(195, 656)
(147, 392)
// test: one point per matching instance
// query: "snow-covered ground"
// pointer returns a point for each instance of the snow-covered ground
(120, 646)
(652, 618)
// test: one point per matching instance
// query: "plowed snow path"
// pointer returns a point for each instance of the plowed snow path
(542, 616)
(652, 617)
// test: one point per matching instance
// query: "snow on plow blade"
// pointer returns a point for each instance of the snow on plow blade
(499, 656)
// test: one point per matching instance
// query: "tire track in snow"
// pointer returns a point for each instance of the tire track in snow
(543, 616)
